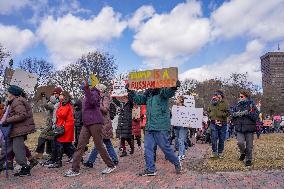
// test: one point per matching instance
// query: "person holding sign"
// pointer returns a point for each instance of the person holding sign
(92, 126)
(218, 113)
(157, 126)
(245, 115)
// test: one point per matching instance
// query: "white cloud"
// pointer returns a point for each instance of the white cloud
(16, 40)
(253, 18)
(247, 61)
(68, 37)
(9, 6)
(170, 38)
(140, 15)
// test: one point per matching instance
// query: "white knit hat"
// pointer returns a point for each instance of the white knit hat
(101, 87)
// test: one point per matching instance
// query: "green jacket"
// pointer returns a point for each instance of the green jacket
(218, 112)
(158, 113)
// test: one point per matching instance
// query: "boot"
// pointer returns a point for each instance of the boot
(25, 171)
(33, 162)
(123, 154)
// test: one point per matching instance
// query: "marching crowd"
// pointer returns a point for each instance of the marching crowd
(71, 123)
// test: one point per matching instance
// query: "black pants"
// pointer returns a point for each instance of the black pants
(59, 148)
(138, 140)
(43, 144)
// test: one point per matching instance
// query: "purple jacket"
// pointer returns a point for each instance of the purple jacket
(91, 108)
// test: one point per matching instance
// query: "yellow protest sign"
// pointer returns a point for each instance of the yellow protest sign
(94, 80)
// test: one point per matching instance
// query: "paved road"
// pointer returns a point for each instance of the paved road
(125, 176)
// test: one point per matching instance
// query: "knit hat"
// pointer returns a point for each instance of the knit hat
(15, 90)
(218, 92)
(101, 87)
(57, 90)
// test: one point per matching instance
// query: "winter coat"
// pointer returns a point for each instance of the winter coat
(107, 126)
(244, 116)
(136, 121)
(47, 133)
(91, 107)
(158, 114)
(64, 117)
(21, 117)
(78, 114)
(218, 111)
(124, 126)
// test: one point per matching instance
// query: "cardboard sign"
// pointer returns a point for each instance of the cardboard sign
(118, 88)
(25, 80)
(189, 101)
(9, 72)
(267, 123)
(47, 90)
(94, 80)
(187, 117)
(157, 78)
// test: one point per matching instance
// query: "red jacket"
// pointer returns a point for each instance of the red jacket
(64, 116)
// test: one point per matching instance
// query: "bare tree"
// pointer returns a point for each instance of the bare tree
(3, 55)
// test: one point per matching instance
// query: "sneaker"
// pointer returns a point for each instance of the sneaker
(242, 157)
(47, 163)
(181, 157)
(178, 168)
(214, 156)
(221, 156)
(123, 154)
(147, 173)
(25, 171)
(248, 163)
(33, 162)
(88, 164)
(71, 173)
(55, 165)
(108, 170)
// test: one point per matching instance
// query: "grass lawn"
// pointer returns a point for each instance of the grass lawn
(268, 154)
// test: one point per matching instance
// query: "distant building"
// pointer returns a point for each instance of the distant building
(272, 68)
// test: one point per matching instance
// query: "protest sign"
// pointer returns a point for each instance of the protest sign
(47, 90)
(157, 78)
(189, 101)
(118, 88)
(267, 123)
(94, 80)
(187, 117)
(25, 80)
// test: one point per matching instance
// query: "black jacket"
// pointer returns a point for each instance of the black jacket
(78, 113)
(124, 127)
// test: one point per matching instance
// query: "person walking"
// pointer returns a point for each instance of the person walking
(157, 126)
(92, 126)
(218, 114)
(107, 130)
(21, 117)
(245, 115)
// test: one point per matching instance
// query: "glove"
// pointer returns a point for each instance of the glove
(178, 83)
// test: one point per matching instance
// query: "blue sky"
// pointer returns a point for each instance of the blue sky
(205, 39)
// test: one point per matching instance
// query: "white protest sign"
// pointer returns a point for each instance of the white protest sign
(187, 117)
(118, 88)
(189, 101)
(25, 80)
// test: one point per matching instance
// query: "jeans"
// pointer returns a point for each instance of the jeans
(181, 133)
(245, 143)
(218, 134)
(160, 138)
(93, 156)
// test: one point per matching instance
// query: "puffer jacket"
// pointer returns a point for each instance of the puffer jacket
(124, 127)
(21, 117)
(107, 131)
(244, 116)
(157, 113)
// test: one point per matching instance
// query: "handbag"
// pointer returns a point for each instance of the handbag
(59, 131)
